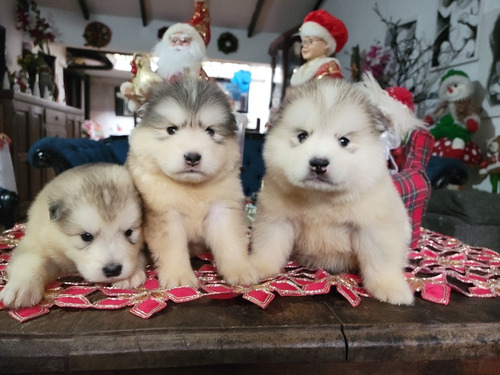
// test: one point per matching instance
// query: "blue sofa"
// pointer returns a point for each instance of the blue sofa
(64, 153)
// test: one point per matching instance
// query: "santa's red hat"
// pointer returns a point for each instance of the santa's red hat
(321, 24)
(198, 27)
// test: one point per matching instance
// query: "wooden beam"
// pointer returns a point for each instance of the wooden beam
(318, 4)
(85, 9)
(144, 15)
(255, 17)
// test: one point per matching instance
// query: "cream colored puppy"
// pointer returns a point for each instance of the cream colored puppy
(328, 199)
(185, 161)
(86, 220)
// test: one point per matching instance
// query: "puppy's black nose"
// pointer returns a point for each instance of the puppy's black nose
(192, 158)
(112, 270)
(318, 165)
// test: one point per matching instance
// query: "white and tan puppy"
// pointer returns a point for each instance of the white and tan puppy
(86, 220)
(328, 199)
(185, 161)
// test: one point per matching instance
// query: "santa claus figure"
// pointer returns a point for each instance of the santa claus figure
(183, 46)
(180, 52)
(322, 35)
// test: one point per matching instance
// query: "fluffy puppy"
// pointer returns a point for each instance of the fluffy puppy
(86, 220)
(328, 199)
(185, 161)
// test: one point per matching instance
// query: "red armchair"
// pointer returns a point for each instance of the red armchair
(411, 179)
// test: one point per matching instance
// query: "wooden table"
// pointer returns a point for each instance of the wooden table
(306, 335)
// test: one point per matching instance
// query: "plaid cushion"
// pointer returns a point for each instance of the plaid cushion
(412, 182)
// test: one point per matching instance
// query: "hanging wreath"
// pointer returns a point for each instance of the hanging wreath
(97, 35)
(227, 43)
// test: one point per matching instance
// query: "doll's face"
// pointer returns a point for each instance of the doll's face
(179, 40)
(313, 47)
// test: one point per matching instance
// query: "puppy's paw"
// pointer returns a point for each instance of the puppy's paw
(18, 295)
(264, 269)
(397, 292)
(174, 278)
(138, 278)
(240, 275)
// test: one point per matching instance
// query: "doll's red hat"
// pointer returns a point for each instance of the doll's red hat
(197, 27)
(321, 24)
(201, 20)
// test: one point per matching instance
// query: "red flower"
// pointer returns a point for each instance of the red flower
(30, 20)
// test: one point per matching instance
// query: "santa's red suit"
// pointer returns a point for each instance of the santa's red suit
(326, 67)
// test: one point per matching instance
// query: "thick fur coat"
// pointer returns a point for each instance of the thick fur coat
(328, 200)
(86, 220)
(185, 161)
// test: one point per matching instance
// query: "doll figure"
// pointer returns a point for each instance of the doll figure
(322, 35)
(180, 52)
(456, 119)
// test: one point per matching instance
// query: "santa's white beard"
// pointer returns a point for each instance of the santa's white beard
(174, 60)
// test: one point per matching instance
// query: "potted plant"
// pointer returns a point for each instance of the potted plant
(29, 20)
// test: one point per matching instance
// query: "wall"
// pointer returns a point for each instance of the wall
(15, 38)
(102, 106)
(129, 35)
(365, 29)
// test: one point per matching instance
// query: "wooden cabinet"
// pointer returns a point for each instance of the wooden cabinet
(285, 54)
(25, 119)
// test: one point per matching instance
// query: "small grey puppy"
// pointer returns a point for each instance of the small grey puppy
(87, 220)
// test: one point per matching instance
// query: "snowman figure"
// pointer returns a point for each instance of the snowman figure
(456, 120)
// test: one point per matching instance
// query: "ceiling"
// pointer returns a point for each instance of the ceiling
(255, 16)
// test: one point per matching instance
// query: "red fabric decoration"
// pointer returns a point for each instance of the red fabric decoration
(437, 265)
(403, 95)
(411, 180)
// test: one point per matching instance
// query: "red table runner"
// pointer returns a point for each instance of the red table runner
(435, 267)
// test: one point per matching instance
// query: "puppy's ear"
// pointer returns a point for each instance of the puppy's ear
(380, 121)
(57, 210)
(142, 110)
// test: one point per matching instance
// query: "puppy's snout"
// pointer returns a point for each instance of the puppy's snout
(318, 165)
(112, 270)
(192, 158)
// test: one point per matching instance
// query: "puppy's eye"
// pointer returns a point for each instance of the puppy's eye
(210, 131)
(344, 141)
(302, 136)
(86, 237)
(128, 232)
(172, 130)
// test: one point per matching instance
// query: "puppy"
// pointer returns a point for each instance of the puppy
(328, 199)
(185, 161)
(86, 220)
